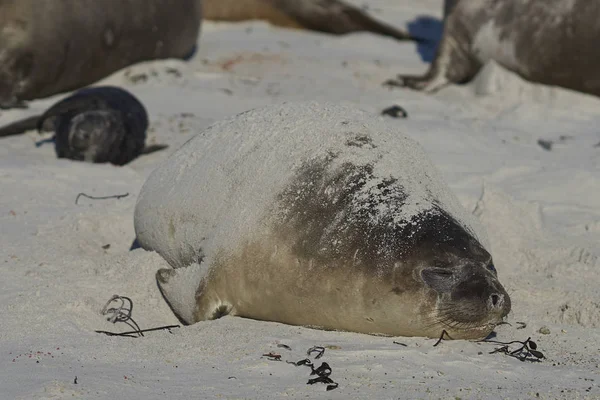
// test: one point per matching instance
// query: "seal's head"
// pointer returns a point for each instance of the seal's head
(469, 299)
(92, 136)
(462, 293)
(401, 263)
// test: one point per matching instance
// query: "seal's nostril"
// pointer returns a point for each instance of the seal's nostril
(495, 299)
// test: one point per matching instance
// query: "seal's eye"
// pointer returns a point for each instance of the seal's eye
(80, 140)
(439, 279)
(491, 267)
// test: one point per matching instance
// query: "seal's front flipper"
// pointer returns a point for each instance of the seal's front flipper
(180, 288)
(153, 148)
(18, 127)
(425, 83)
(12, 102)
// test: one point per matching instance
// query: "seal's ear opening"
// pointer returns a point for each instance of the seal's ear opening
(442, 280)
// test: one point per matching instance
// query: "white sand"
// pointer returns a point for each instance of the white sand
(541, 210)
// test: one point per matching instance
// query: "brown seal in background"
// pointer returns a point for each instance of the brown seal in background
(329, 16)
(49, 46)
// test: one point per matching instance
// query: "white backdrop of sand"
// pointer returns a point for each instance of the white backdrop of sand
(541, 210)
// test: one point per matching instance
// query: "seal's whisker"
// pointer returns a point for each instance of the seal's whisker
(446, 320)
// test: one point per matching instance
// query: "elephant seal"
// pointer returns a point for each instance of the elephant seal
(49, 47)
(317, 215)
(96, 124)
(551, 42)
(328, 16)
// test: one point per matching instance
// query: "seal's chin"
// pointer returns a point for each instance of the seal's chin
(471, 331)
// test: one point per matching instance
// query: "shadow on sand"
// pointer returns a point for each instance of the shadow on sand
(429, 29)
(135, 245)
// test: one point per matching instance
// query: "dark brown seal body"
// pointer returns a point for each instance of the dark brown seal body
(329, 16)
(318, 215)
(50, 46)
(553, 42)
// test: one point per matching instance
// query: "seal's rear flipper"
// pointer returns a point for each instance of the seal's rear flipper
(22, 126)
(180, 287)
(329, 16)
(335, 16)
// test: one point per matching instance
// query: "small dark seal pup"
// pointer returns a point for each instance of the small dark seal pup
(96, 124)
(329, 16)
(49, 46)
(552, 42)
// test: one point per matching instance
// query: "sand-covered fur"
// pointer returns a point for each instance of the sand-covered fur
(317, 215)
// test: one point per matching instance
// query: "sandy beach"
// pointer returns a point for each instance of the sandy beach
(524, 158)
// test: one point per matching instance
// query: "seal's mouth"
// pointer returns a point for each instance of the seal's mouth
(467, 326)
(468, 318)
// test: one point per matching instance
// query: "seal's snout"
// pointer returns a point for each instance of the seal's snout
(81, 140)
(469, 293)
(499, 303)
(495, 299)
(93, 136)
(87, 129)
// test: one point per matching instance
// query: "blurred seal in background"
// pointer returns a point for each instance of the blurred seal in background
(552, 42)
(49, 47)
(329, 16)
